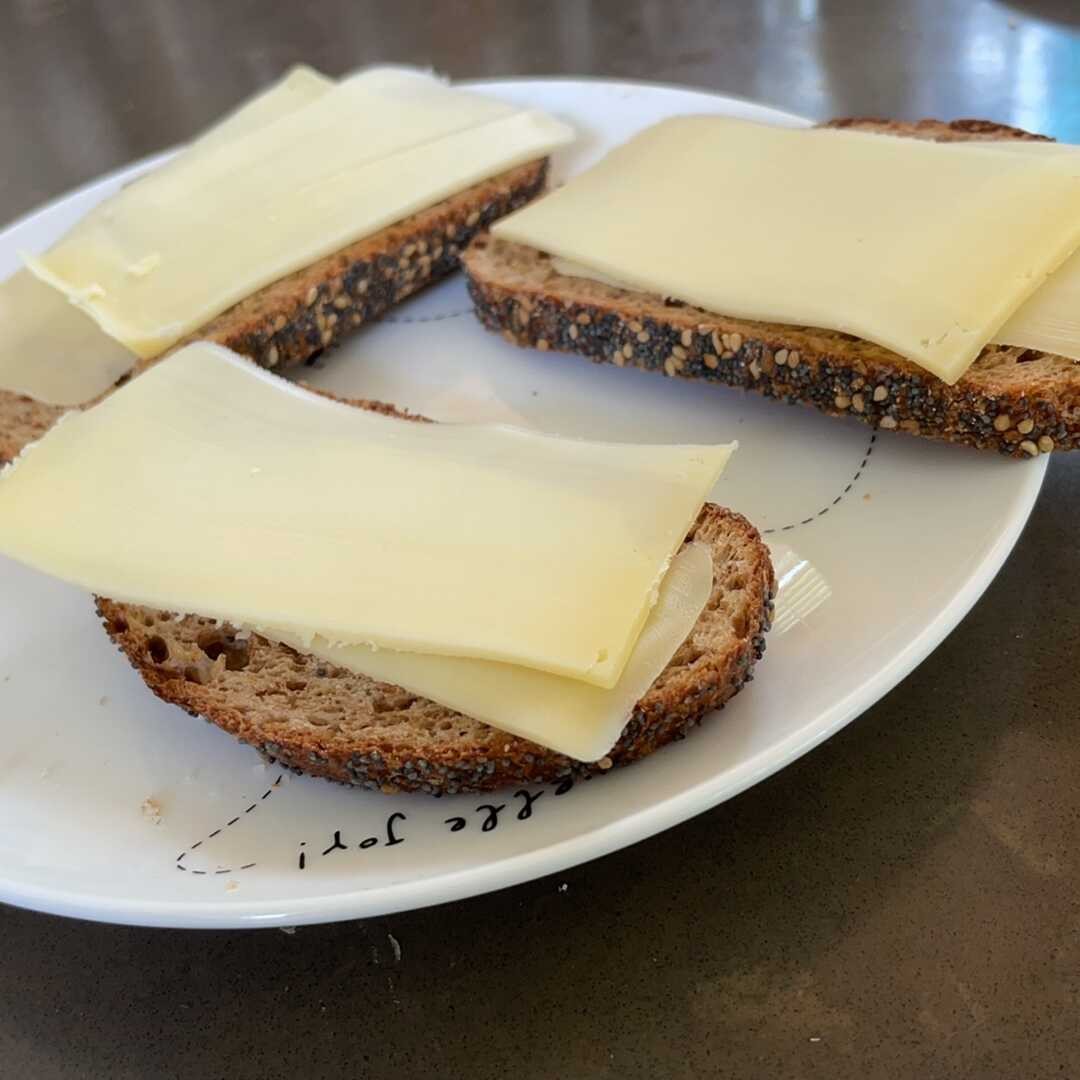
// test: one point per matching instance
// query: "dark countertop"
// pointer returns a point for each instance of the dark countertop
(903, 902)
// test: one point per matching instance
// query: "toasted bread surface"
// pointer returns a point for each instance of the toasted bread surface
(23, 420)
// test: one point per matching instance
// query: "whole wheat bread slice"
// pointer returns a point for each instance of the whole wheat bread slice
(293, 319)
(1019, 402)
(23, 420)
(326, 721)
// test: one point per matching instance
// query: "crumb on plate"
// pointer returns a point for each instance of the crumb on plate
(151, 810)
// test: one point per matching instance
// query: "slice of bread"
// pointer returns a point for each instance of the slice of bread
(323, 720)
(23, 420)
(1019, 402)
(297, 317)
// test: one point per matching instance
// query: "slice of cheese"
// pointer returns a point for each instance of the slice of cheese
(1050, 320)
(565, 715)
(253, 500)
(49, 349)
(925, 248)
(171, 251)
(52, 351)
(299, 86)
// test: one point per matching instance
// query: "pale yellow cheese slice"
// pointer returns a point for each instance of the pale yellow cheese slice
(53, 352)
(299, 86)
(49, 349)
(925, 248)
(209, 486)
(565, 715)
(173, 250)
(1050, 320)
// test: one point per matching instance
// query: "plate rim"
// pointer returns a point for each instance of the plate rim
(571, 851)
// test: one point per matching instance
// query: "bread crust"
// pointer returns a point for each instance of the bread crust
(963, 130)
(1017, 401)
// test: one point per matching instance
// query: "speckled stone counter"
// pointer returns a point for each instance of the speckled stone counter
(903, 902)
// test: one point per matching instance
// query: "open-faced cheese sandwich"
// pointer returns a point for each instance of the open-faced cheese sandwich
(391, 603)
(921, 277)
(312, 209)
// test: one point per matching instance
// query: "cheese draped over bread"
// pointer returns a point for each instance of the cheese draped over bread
(300, 178)
(928, 249)
(53, 352)
(258, 502)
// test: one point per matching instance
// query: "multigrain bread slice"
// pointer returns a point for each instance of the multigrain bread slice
(295, 318)
(325, 721)
(23, 420)
(1019, 402)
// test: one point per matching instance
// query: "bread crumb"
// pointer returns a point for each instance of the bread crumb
(232, 886)
(151, 810)
(866, 497)
(563, 887)
(815, 1038)
(104, 699)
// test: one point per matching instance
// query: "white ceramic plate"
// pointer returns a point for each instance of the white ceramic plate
(905, 533)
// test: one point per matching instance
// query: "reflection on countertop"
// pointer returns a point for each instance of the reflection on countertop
(85, 87)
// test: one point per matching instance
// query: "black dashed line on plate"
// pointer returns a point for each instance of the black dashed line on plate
(217, 832)
(839, 498)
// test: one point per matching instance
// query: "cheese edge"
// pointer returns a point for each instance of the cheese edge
(534, 705)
